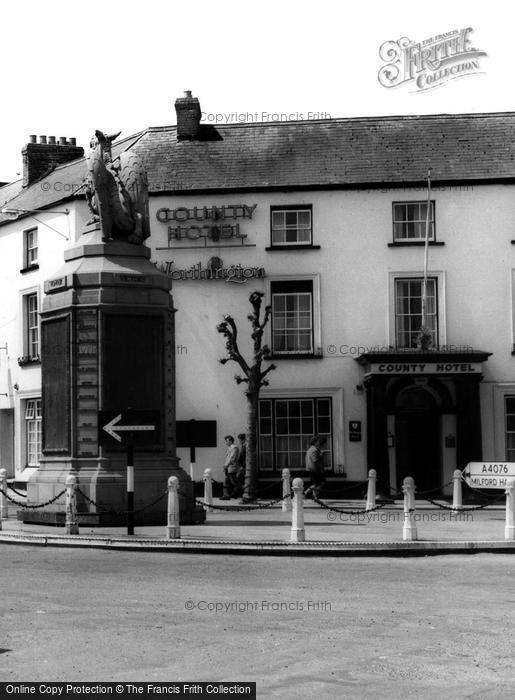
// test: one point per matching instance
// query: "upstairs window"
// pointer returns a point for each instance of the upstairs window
(31, 248)
(409, 221)
(292, 317)
(408, 310)
(32, 325)
(291, 226)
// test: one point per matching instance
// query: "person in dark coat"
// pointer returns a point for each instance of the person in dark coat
(315, 466)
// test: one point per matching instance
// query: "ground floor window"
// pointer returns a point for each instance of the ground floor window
(285, 427)
(509, 403)
(33, 431)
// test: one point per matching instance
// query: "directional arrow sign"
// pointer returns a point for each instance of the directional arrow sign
(489, 475)
(112, 428)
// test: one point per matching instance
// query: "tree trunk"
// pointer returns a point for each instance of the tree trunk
(251, 466)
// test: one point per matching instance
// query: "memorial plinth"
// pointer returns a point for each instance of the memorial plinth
(108, 347)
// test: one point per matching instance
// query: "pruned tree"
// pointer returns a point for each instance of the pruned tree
(253, 376)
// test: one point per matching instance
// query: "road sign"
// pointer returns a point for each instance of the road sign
(112, 428)
(140, 427)
(489, 475)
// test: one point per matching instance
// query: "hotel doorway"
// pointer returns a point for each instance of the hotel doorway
(418, 438)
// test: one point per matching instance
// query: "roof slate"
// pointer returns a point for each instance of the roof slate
(304, 154)
(332, 153)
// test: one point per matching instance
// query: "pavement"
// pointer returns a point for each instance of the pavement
(340, 529)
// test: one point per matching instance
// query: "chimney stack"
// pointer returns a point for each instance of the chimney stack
(188, 113)
(39, 158)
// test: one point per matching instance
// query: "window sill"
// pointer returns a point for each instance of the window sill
(30, 268)
(292, 247)
(26, 360)
(402, 244)
(295, 356)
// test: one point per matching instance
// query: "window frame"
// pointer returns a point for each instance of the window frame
(420, 239)
(330, 437)
(316, 316)
(398, 280)
(440, 277)
(33, 425)
(27, 339)
(29, 264)
(285, 245)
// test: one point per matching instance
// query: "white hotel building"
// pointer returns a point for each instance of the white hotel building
(327, 219)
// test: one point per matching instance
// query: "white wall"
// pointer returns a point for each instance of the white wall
(355, 264)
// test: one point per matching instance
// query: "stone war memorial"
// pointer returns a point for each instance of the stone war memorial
(108, 361)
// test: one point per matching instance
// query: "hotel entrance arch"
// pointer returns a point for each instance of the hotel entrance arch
(418, 437)
(423, 411)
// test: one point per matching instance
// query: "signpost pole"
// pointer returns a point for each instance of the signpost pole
(130, 485)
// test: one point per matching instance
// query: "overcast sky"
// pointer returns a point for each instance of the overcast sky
(71, 68)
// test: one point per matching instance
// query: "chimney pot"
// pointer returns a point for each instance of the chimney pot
(38, 161)
(33, 138)
(72, 141)
(187, 93)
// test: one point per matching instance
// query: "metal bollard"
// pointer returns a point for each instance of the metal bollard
(173, 528)
(371, 490)
(509, 528)
(3, 499)
(298, 533)
(409, 530)
(208, 490)
(286, 504)
(457, 500)
(71, 524)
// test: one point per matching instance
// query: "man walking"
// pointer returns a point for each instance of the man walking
(230, 469)
(315, 467)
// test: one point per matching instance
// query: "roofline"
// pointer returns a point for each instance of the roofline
(338, 186)
(339, 120)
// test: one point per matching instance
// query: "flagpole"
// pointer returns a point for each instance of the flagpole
(424, 331)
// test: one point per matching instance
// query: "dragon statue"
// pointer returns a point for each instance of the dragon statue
(117, 192)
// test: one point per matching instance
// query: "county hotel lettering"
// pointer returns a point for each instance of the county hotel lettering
(424, 368)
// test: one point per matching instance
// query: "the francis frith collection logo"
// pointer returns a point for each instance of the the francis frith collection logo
(429, 63)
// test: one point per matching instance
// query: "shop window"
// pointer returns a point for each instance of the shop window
(291, 226)
(509, 412)
(408, 310)
(292, 317)
(33, 434)
(409, 221)
(285, 427)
